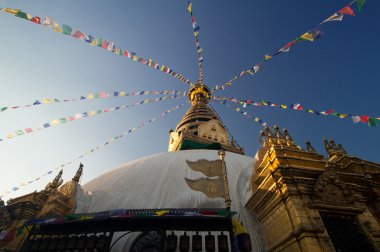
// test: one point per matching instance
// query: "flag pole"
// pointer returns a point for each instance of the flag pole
(222, 154)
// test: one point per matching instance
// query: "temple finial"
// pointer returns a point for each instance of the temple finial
(309, 147)
(52, 187)
(79, 173)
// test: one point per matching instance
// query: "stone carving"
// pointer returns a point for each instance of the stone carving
(330, 189)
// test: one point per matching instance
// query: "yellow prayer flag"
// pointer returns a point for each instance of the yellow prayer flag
(190, 7)
(122, 93)
(90, 96)
(267, 57)
(10, 135)
(56, 27)
(92, 112)
(55, 122)
(283, 106)
(308, 36)
(343, 115)
(10, 11)
(46, 101)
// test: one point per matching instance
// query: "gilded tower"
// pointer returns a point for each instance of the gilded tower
(201, 127)
(305, 201)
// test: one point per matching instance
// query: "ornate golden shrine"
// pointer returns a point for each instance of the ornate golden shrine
(53, 200)
(306, 202)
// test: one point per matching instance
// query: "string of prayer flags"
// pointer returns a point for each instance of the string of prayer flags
(94, 149)
(244, 113)
(371, 121)
(196, 29)
(89, 39)
(311, 36)
(83, 115)
(91, 96)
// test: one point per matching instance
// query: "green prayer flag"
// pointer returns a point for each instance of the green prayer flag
(3, 109)
(98, 41)
(66, 29)
(20, 132)
(360, 4)
(21, 14)
(372, 122)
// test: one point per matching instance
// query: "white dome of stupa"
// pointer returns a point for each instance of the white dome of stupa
(158, 181)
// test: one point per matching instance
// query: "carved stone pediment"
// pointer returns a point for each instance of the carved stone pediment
(330, 189)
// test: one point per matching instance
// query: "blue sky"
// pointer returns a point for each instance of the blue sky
(339, 71)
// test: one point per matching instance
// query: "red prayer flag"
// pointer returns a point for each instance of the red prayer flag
(78, 35)
(348, 11)
(364, 119)
(36, 20)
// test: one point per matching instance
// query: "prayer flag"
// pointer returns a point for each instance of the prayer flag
(364, 119)
(355, 119)
(286, 48)
(97, 42)
(347, 11)
(360, 4)
(55, 122)
(10, 11)
(19, 132)
(3, 109)
(66, 29)
(127, 54)
(21, 14)
(28, 130)
(190, 8)
(56, 27)
(89, 39)
(372, 122)
(47, 22)
(36, 20)
(267, 57)
(308, 36)
(105, 44)
(78, 35)
(256, 68)
(335, 17)
(111, 47)
(10, 135)
(36, 102)
(46, 125)
(249, 71)
(46, 101)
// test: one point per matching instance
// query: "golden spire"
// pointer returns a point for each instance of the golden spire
(201, 127)
(79, 173)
